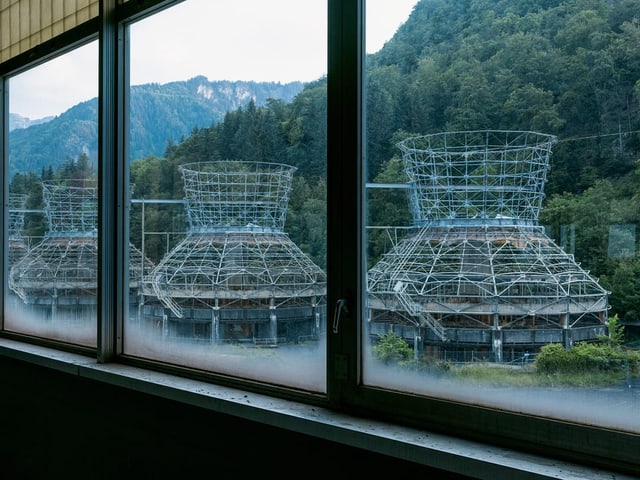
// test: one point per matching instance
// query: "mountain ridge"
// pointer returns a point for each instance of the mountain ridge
(17, 121)
(161, 114)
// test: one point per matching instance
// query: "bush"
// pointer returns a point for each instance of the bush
(392, 349)
(553, 358)
(615, 332)
(584, 358)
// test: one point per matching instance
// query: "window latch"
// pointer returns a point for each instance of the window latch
(341, 305)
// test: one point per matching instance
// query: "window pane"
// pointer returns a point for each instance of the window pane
(502, 207)
(52, 234)
(227, 222)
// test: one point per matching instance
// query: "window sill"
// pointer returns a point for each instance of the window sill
(408, 444)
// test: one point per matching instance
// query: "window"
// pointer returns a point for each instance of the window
(434, 225)
(228, 209)
(52, 234)
(475, 294)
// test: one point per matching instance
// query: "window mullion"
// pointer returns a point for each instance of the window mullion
(344, 205)
(111, 270)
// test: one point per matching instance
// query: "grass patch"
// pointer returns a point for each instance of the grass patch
(494, 375)
(486, 374)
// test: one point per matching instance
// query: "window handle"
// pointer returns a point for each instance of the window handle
(341, 305)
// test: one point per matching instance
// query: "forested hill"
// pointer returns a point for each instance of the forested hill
(565, 68)
(568, 68)
(160, 115)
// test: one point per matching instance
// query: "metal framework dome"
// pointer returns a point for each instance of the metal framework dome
(479, 273)
(237, 275)
(61, 271)
(62, 268)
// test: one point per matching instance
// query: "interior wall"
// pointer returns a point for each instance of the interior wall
(55, 425)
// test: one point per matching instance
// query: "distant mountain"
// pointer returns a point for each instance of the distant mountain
(160, 115)
(19, 121)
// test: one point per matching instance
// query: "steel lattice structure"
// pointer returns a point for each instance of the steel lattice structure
(63, 267)
(61, 272)
(17, 245)
(477, 177)
(227, 196)
(237, 275)
(479, 273)
(16, 215)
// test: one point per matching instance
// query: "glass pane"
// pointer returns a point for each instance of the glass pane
(502, 210)
(52, 207)
(227, 163)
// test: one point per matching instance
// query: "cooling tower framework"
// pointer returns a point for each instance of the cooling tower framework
(237, 276)
(479, 275)
(60, 273)
(58, 277)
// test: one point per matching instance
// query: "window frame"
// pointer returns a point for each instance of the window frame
(66, 42)
(346, 392)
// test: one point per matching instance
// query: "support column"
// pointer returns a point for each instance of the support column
(567, 336)
(566, 330)
(54, 305)
(215, 322)
(273, 322)
(496, 339)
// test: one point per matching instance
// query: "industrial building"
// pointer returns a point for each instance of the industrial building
(57, 278)
(479, 279)
(237, 276)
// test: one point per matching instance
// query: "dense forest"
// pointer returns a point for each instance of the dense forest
(567, 68)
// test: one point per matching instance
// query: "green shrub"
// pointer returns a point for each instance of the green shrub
(392, 349)
(615, 332)
(553, 358)
(586, 357)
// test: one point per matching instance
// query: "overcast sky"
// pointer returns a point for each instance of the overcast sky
(262, 43)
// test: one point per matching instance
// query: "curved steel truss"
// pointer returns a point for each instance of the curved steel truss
(63, 268)
(478, 269)
(236, 255)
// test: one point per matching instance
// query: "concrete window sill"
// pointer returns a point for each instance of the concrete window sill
(408, 444)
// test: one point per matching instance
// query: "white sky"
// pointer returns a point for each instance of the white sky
(263, 44)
